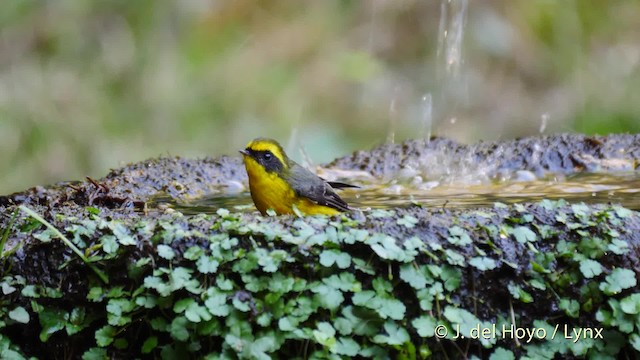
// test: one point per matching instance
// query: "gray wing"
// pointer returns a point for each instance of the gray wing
(309, 185)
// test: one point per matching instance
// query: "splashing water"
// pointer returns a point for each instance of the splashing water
(451, 33)
(622, 188)
(453, 16)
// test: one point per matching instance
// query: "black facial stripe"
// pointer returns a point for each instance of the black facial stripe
(266, 158)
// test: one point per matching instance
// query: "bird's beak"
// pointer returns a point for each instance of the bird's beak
(244, 152)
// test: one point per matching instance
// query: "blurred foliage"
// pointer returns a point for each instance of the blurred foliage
(85, 86)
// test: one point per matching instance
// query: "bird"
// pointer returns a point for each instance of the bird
(276, 182)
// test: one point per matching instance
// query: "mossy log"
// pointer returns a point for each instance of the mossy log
(530, 280)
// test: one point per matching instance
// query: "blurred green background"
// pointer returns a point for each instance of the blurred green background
(90, 85)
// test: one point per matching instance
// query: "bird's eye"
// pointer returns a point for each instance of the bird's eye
(267, 156)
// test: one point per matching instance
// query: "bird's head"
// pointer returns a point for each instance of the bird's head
(266, 153)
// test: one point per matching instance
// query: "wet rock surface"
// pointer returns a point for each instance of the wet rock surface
(563, 154)
(192, 178)
(512, 242)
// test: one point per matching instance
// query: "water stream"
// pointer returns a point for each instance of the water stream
(619, 188)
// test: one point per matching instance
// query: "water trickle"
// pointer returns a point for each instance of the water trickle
(453, 16)
(449, 67)
(393, 116)
(427, 116)
(544, 119)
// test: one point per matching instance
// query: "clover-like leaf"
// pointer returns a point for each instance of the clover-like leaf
(418, 277)
(165, 252)
(178, 328)
(459, 236)
(395, 335)
(618, 280)
(330, 257)
(425, 325)
(149, 344)
(590, 268)
(631, 304)
(104, 335)
(483, 263)
(524, 234)
(19, 314)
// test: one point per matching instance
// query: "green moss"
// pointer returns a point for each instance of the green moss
(240, 286)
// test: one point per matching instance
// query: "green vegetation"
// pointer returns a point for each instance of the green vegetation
(231, 285)
(5, 235)
(66, 241)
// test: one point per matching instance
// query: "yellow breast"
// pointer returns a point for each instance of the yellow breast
(270, 191)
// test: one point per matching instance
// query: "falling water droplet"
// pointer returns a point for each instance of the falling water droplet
(393, 117)
(543, 122)
(452, 84)
(427, 115)
(453, 15)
